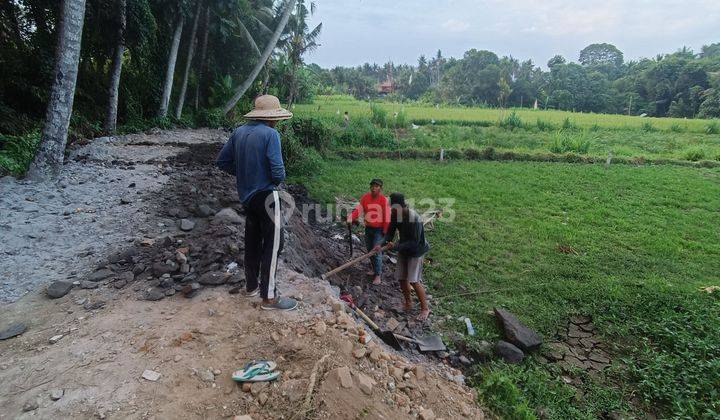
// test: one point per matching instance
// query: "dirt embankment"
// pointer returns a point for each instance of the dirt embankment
(114, 225)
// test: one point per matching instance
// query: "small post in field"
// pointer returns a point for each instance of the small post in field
(442, 154)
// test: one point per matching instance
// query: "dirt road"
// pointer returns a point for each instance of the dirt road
(140, 222)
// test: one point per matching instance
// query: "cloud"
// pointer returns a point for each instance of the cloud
(356, 31)
(454, 25)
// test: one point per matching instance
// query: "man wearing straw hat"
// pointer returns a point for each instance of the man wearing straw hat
(253, 154)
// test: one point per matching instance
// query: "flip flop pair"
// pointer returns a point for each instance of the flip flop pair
(257, 371)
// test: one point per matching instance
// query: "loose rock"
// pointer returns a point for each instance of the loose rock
(320, 328)
(151, 375)
(517, 333)
(204, 210)
(365, 383)
(154, 294)
(187, 225)
(55, 338)
(58, 289)
(100, 275)
(343, 375)
(213, 278)
(227, 215)
(359, 352)
(509, 352)
(426, 414)
(31, 405)
(206, 375)
(13, 331)
(89, 284)
(56, 394)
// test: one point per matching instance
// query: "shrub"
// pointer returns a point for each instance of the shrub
(312, 132)
(545, 126)
(694, 154)
(82, 128)
(594, 127)
(676, 128)
(299, 160)
(16, 152)
(512, 122)
(712, 128)
(212, 118)
(568, 125)
(648, 127)
(362, 133)
(379, 115)
(564, 142)
(401, 120)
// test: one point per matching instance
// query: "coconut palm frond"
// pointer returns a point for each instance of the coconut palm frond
(246, 34)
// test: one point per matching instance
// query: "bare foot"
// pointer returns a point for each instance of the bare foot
(424, 314)
(407, 306)
(377, 280)
(370, 272)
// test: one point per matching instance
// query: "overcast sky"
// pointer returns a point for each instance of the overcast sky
(359, 31)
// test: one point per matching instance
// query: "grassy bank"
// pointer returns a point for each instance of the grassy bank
(646, 240)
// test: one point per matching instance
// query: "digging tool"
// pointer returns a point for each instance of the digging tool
(387, 336)
(353, 262)
(425, 344)
(350, 239)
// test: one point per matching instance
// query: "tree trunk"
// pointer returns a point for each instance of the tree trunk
(266, 82)
(114, 90)
(203, 55)
(188, 63)
(263, 58)
(50, 155)
(169, 75)
(293, 84)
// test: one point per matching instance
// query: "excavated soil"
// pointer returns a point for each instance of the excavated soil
(154, 266)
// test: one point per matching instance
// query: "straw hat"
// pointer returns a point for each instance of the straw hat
(267, 107)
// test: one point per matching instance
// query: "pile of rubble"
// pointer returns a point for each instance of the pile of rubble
(180, 263)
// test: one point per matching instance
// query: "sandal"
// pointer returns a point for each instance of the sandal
(257, 371)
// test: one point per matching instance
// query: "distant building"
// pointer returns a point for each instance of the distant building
(387, 87)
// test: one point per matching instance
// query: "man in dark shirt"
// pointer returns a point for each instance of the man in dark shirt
(411, 247)
(253, 154)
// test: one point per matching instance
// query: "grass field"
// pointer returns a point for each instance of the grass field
(335, 105)
(686, 141)
(647, 239)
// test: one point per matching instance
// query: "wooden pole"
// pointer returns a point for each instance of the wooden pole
(353, 262)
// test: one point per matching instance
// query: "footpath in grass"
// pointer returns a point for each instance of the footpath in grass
(645, 240)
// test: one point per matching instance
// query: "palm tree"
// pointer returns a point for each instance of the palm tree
(237, 19)
(50, 155)
(170, 72)
(113, 91)
(188, 62)
(300, 41)
(279, 29)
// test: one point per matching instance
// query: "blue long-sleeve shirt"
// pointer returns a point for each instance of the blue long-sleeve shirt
(254, 155)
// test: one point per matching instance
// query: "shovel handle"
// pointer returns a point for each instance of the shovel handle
(367, 319)
(353, 262)
(408, 339)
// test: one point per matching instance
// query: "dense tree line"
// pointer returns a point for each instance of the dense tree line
(681, 84)
(95, 64)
